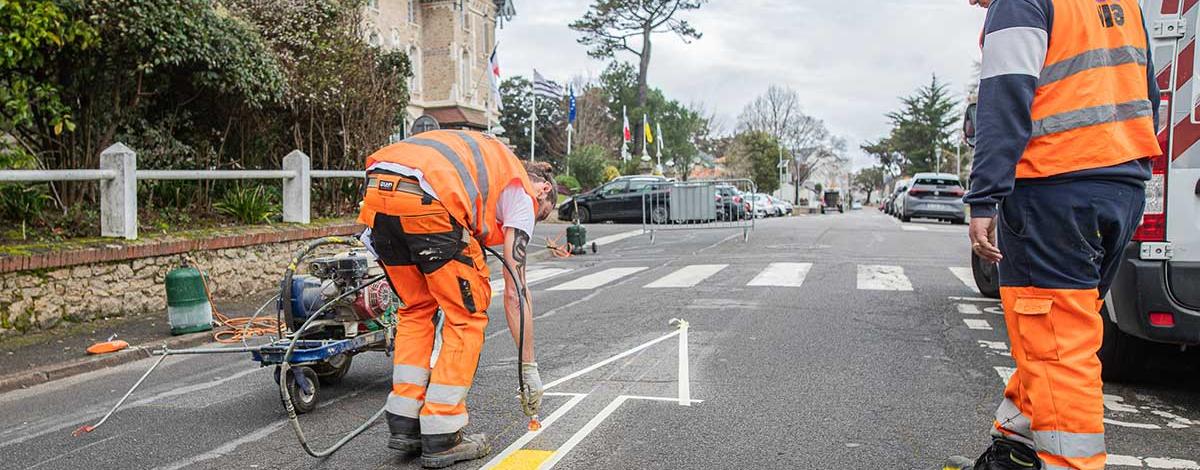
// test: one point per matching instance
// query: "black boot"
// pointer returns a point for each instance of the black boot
(406, 433)
(1004, 454)
(444, 450)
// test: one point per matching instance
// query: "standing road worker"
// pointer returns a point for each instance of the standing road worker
(1068, 107)
(433, 202)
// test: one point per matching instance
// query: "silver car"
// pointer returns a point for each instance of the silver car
(933, 196)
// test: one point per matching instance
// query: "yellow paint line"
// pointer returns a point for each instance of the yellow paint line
(525, 459)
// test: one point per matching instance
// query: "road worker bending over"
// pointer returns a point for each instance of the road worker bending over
(1066, 120)
(433, 202)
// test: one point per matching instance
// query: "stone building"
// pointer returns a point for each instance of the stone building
(449, 43)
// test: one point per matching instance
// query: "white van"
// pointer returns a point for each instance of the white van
(1156, 295)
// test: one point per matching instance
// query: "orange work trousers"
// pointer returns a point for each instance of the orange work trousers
(431, 262)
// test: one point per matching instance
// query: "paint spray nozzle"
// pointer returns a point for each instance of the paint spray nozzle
(535, 424)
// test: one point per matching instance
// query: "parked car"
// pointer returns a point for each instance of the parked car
(618, 200)
(933, 196)
(901, 188)
(762, 206)
(782, 207)
(731, 203)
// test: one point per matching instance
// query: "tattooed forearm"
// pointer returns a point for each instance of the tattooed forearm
(520, 249)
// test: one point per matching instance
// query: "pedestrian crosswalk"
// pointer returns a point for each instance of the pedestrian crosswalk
(772, 275)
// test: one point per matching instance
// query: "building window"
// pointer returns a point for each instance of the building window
(414, 82)
(466, 74)
(412, 11)
(466, 14)
(395, 38)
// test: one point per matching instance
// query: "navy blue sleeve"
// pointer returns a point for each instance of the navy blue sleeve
(1016, 36)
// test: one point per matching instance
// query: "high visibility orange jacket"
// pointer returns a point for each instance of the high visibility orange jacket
(467, 170)
(1066, 91)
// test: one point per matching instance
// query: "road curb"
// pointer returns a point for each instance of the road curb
(59, 371)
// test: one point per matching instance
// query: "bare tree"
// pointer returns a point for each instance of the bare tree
(609, 26)
(778, 112)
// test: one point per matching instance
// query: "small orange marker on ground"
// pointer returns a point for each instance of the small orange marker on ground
(535, 424)
(107, 347)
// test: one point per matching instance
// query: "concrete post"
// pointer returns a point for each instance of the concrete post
(297, 191)
(118, 196)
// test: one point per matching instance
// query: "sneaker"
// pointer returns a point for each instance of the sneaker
(1003, 454)
(470, 447)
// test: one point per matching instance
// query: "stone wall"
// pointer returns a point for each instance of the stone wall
(83, 284)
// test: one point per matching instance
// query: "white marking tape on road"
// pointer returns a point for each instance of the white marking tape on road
(529, 435)
(975, 299)
(685, 378)
(1131, 425)
(969, 309)
(687, 276)
(782, 275)
(595, 280)
(914, 228)
(966, 276)
(875, 277)
(532, 277)
(1005, 373)
(998, 346)
(610, 239)
(1152, 462)
(977, 324)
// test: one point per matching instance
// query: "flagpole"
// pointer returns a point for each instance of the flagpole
(624, 141)
(659, 147)
(533, 121)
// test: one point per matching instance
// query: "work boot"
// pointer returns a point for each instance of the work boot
(1004, 454)
(444, 450)
(406, 433)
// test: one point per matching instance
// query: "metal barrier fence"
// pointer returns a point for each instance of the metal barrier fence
(118, 176)
(698, 205)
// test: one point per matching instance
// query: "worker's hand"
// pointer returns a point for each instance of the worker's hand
(983, 238)
(531, 395)
(982, 3)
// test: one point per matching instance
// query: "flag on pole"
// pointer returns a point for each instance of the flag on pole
(494, 67)
(545, 88)
(628, 135)
(646, 124)
(571, 105)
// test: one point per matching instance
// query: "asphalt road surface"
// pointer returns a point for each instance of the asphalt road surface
(839, 341)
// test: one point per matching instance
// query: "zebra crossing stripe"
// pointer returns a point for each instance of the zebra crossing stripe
(782, 275)
(599, 279)
(687, 276)
(1005, 373)
(532, 276)
(873, 277)
(977, 324)
(969, 309)
(966, 276)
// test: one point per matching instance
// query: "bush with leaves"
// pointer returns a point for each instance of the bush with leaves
(611, 173)
(569, 182)
(587, 165)
(249, 204)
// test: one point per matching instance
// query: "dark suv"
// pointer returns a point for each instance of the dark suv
(617, 200)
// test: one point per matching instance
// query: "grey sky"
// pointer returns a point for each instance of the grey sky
(849, 59)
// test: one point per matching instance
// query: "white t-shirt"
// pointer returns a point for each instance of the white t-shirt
(514, 209)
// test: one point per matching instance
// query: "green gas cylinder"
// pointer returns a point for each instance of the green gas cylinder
(577, 237)
(188, 308)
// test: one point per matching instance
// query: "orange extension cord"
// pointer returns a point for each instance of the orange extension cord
(559, 251)
(241, 328)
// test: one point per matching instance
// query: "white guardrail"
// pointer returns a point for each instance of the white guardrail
(118, 176)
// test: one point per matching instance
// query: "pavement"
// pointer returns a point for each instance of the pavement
(837, 341)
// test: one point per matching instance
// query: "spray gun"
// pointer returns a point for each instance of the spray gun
(523, 390)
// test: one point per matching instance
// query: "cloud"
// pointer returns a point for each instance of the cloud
(850, 60)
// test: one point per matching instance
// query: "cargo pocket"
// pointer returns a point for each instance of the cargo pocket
(464, 287)
(1036, 328)
(433, 240)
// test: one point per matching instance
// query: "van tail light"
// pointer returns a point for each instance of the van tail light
(1154, 219)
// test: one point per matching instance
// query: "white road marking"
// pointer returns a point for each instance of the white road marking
(782, 275)
(591, 425)
(529, 435)
(532, 277)
(610, 239)
(685, 379)
(1117, 403)
(914, 228)
(975, 299)
(687, 276)
(998, 346)
(966, 276)
(977, 324)
(612, 359)
(595, 280)
(1152, 462)
(1131, 425)
(874, 277)
(969, 309)
(1177, 422)
(1005, 373)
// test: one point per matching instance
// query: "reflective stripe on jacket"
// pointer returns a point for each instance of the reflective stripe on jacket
(1066, 87)
(468, 171)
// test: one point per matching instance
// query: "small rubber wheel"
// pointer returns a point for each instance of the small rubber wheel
(303, 400)
(658, 216)
(332, 371)
(987, 276)
(594, 248)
